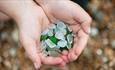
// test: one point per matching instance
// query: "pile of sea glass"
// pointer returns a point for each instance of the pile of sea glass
(56, 38)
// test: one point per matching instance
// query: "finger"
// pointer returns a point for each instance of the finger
(29, 35)
(79, 45)
(48, 60)
(64, 56)
(86, 26)
(75, 28)
(72, 54)
(82, 17)
(81, 42)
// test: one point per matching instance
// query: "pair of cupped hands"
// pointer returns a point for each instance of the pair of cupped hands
(34, 16)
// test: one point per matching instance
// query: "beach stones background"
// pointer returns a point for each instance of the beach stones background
(56, 38)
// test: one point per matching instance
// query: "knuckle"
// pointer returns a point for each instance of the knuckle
(77, 53)
(89, 20)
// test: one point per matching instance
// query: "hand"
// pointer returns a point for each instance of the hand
(31, 21)
(75, 16)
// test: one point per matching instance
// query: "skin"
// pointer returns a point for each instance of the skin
(32, 19)
(4, 17)
(77, 19)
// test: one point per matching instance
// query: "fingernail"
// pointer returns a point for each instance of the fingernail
(87, 31)
(73, 57)
(36, 66)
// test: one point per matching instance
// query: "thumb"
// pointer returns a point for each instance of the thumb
(29, 33)
(83, 18)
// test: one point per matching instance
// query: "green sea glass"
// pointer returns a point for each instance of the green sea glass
(56, 38)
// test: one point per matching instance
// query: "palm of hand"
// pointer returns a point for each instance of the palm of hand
(30, 32)
(76, 17)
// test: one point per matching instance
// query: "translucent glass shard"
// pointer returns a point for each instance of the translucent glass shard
(50, 43)
(56, 38)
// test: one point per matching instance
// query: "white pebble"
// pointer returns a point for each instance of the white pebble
(99, 52)
(62, 43)
(50, 43)
(15, 35)
(59, 35)
(61, 25)
(105, 59)
(94, 31)
(12, 52)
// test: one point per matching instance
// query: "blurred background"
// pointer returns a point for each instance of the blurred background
(98, 55)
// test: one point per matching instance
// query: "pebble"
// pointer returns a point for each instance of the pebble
(50, 43)
(94, 31)
(62, 43)
(99, 52)
(7, 64)
(12, 52)
(105, 59)
(15, 35)
(113, 44)
(105, 41)
(1, 59)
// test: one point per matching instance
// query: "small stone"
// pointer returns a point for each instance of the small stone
(12, 52)
(105, 59)
(61, 25)
(15, 35)
(1, 59)
(69, 29)
(5, 54)
(50, 43)
(45, 53)
(45, 32)
(105, 41)
(52, 26)
(50, 33)
(7, 64)
(57, 46)
(53, 53)
(44, 46)
(63, 31)
(69, 38)
(59, 35)
(53, 39)
(99, 52)
(69, 46)
(112, 63)
(94, 31)
(62, 43)
(113, 44)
